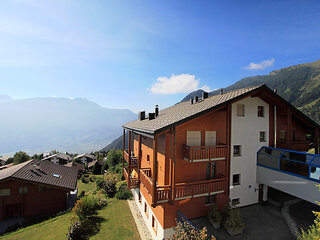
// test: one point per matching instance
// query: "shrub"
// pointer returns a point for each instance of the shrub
(214, 214)
(87, 206)
(81, 194)
(84, 180)
(92, 179)
(184, 230)
(234, 220)
(96, 169)
(75, 231)
(109, 186)
(124, 194)
(121, 184)
(99, 183)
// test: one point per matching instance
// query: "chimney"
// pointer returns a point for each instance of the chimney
(156, 110)
(151, 116)
(221, 91)
(204, 95)
(275, 90)
(141, 115)
(195, 99)
(191, 101)
(38, 165)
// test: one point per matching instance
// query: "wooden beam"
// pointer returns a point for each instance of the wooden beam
(123, 145)
(316, 141)
(154, 172)
(139, 158)
(228, 135)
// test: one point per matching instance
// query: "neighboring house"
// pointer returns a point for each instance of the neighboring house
(78, 166)
(204, 151)
(35, 188)
(59, 158)
(91, 164)
(6, 166)
(2, 161)
(85, 158)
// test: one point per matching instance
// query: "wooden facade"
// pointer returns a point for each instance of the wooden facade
(173, 176)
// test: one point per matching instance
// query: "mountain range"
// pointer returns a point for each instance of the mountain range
(298, 84)
(68, 125)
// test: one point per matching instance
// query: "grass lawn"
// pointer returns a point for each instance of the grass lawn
(116, 222)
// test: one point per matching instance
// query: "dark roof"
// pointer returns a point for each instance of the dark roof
(185, 110)
(43, 172)
(87, 155)
(76, 165)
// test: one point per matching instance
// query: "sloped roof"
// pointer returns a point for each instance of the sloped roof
(87, 155)
(91, 164)
(76, 165)
(59, 155)
(43, 172)
(186, 110)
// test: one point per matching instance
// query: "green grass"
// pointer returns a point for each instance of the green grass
(116, 222)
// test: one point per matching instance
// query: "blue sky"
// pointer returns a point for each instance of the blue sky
(135, 54)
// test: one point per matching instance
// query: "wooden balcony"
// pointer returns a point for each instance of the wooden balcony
(199, 189)
(133, 160)
(132, 182)
(205, 153)
(145, 179)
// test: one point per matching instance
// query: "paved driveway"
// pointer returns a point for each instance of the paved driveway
(262, 222)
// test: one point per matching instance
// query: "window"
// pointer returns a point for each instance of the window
(210, 138)
(154, 224)
(194, 138)
(146, 209)
(23, 190)
(5, 192)
(236, 179)
(148, 158)
(240, 110)
(236, 150)
(262, 136)
(260, 111)
(282, 136)
(235, 201)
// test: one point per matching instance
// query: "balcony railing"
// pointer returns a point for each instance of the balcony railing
(132, 182)
(163, 194)
(199, 189)
(205, 153)
(133, 160)
(145, 179)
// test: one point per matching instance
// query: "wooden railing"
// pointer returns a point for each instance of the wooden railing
(126, 156)
(133, 160)
(163, 194)
(145, 179)
(204, 152)
(132, 182)
(198, 189)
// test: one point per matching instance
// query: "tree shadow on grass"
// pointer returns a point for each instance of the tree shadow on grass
(93, 225)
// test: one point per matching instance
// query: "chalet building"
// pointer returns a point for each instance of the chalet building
(204, 151)
(85, 158)
(35, 188)
(78, 166)
(59, 158)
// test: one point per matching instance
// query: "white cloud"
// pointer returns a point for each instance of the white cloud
(261, 65)
(183, 83)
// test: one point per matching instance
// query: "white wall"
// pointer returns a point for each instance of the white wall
(296, 186)
(245, 132)
(161, 233)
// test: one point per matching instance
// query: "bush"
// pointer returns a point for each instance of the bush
(109, 186)
(75, 231)
(96, 169)
(81, 195)
(234, 220)
(214, 214)
(87, 206)
(93, 179)
(124, 194)
(105, 167)
(84, 180)
(184, 230)
(121, 184)
(99, 183)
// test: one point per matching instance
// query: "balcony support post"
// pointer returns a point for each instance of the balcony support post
(139, 158)
(228, 141)
(129, 154)
(154, 172)
(123, 147)
(316, 141)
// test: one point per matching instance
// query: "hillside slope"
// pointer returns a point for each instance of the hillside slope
(298, 84)
(43, 124)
